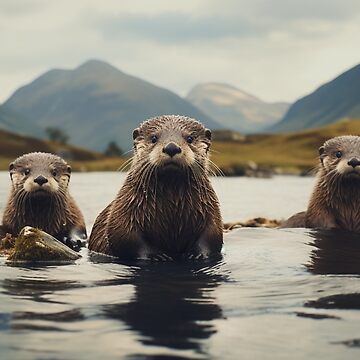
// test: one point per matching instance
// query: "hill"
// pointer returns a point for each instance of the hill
(97, 103)
(10, 121)
(13, 145)
(235, 109)
(290, 152)
(334, 100)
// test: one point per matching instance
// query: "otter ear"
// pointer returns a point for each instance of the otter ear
(136, 133)
(11, 166)
(68, 168)
(208, 134)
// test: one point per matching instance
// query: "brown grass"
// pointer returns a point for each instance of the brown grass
(289, 151)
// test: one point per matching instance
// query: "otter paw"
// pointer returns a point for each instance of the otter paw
(75, 244)
(194, 256)
(160, 257)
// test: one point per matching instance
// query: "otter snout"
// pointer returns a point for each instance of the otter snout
(354, 162)
(41, 180)
(171, 149)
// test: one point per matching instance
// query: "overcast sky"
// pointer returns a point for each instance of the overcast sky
(278, 50)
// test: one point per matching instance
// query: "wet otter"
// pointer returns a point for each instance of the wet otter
(167, 207)
(335, 200)
(40, 198)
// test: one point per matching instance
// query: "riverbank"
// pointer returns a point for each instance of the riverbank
(260, 155)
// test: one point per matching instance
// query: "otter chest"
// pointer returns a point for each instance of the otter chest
(175, 220)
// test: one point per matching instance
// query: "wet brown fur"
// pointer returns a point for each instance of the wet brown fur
(55, 211)
(335, 199)
(171, 210)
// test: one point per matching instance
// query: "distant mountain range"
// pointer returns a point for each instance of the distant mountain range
(235, 109)
(96, 103)
(339, 98)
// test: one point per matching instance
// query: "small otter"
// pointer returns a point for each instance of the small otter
(335, 200)
(167, 208)
(40, 198)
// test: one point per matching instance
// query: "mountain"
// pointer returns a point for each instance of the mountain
(96, 103)
(332, 101)
(10, 121)
(235, 109)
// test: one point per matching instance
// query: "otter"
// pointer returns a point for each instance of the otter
(167, 208)
(335, 199)
(39, 197)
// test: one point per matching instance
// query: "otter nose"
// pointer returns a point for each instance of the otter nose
(354, 162)
(171, 149)
(41, 180)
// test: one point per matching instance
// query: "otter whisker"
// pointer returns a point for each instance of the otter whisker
(126, 164)
(217, 169)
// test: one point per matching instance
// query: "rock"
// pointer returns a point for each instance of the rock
(34, 245)
(250, 169)
(7, 244)
(255, 222)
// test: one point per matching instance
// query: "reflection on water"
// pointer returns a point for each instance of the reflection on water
(171, 308)
(335, 252)
(276, 294)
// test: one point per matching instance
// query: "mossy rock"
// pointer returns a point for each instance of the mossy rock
(34, 245)
(7, 245)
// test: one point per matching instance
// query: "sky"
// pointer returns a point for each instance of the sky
(278, 50)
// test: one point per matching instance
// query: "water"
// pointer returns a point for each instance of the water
(276, 294)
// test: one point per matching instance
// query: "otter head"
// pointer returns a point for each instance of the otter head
(172, 142)
(340, 156)
(39, 174)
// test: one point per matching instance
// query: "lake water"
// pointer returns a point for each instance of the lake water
(276, 294)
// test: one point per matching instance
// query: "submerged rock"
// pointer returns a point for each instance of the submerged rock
(34, 245)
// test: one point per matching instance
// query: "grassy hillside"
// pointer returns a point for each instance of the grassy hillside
(293, 151)
(12, 146)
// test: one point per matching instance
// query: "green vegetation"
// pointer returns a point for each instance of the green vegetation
(58, 135)
(113, 150)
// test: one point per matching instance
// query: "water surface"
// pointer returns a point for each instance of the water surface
(276, 294)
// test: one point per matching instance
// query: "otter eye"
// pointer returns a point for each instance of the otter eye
(338, 154)
(53, 173)
(27, 171)
(189, 139)
(154, 139)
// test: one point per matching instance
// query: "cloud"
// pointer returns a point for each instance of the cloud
(230, 19)
(173, 27)
(277, 50)
(20, 7)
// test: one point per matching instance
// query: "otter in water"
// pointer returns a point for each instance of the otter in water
(167, 208)
(335, 200)
(40, 198)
